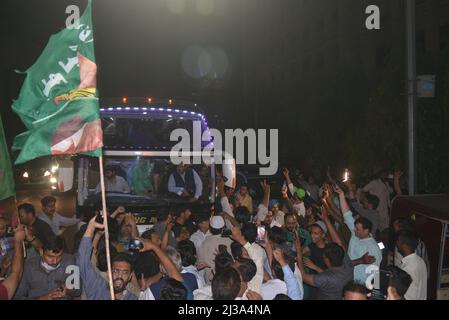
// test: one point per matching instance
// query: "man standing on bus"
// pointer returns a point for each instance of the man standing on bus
(185, 182)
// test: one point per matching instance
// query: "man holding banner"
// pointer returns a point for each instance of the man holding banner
(58, 102)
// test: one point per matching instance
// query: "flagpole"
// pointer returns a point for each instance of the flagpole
(106, 229)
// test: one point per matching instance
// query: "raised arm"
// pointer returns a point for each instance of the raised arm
(397, 186)
(343, 203)
(266, 193)
(165, 236)
(285, 197)
(166, 262)
(290, 185)
(231, 219)
(120, 210)
(324, 215)
(293, 289)
(91, 278)
(68, 222)
(33, 240)
(306, 277)
(328, 202)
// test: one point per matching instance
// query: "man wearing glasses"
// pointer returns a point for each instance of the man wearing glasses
(95, 287)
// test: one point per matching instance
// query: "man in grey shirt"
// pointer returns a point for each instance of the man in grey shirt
(52, 218)
(329, 283)
(45, 277)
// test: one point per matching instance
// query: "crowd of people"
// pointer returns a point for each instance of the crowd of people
(313, 243)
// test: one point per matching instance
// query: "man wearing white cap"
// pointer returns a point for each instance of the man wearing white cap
(207, 252)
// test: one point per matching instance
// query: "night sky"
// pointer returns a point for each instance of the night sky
(311, 69)
(143, 49)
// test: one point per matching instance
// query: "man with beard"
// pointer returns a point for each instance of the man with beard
(293, 228)
(95, 287)
(113, 182)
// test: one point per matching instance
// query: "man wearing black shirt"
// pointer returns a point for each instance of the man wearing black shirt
(184, 226)
(38, 230)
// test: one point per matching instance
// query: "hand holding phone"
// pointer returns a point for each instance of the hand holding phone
(261, 233)
(99, 218)
(135, 245)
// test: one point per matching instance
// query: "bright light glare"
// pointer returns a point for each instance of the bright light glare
(346, 175)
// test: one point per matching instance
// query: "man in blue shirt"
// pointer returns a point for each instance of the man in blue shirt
(363, 249)
(95, 286)
(294, 290)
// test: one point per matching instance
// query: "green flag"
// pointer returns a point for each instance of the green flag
(6, 175)
(58, 101)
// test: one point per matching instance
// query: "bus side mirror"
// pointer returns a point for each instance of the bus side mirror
(64, 175)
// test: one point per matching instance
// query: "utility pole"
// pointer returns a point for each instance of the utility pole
(410, 32)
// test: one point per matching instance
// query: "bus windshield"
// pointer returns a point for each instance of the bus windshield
(145, 180)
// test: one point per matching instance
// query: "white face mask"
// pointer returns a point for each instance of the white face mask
(300, 208)
(48, 267)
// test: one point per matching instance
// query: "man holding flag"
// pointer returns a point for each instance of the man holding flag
(58, 103)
